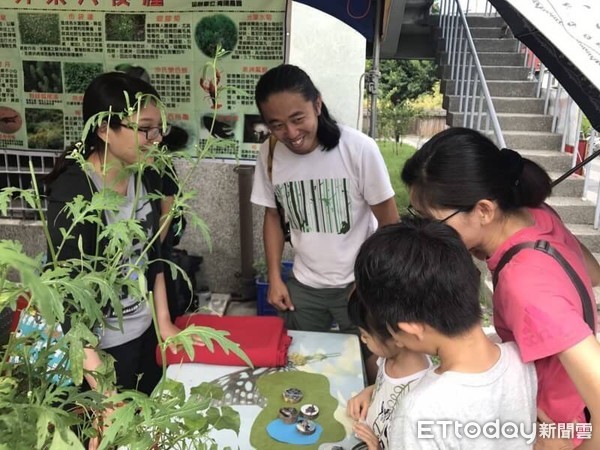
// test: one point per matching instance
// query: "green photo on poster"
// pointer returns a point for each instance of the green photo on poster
(45, 128)
(79, 75)
(125, 27)
(213, 31)
(42, 76)
(39, 29)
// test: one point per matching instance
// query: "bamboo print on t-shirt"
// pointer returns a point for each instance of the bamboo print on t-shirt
(317, 206)
(327, 196)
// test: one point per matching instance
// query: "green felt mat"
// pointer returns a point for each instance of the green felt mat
(316, 391)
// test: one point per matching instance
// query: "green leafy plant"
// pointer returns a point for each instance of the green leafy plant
(260, 269)
(394, 120)
(41, 403)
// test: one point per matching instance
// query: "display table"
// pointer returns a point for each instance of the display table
(334, 355)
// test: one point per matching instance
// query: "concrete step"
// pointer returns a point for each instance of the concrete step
(496, 45)
(491, 32)
(573, 210)
(570, 187)
(505, 88)
(522, 105)
(492, 72)
(538, 140)
(550, 160)
(481, 21)
(509, 122)
(500, 59)
(489, 59)
(587, 235)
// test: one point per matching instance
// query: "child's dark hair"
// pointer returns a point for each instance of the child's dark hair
(458, 167)
(360, 317)
(418, 270)
(106, 92)
(289, 78)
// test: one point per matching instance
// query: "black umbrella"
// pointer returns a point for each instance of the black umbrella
(573, 78)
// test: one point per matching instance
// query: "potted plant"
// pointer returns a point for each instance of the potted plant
(263, 308)
(41, 403)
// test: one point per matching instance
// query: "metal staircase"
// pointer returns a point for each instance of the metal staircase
(514, 93)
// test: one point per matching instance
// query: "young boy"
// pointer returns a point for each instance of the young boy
(418, 280)
(399, 370)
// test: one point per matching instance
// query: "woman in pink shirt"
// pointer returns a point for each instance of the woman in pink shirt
(495, 199)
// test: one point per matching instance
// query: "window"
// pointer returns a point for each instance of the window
(15, 172)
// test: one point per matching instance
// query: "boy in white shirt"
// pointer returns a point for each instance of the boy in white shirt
(399, 370)
(418, 280)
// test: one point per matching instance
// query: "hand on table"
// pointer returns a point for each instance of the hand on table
(359, 405)
(363, 432)
(279, 296)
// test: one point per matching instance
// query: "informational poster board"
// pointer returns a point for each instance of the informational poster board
(51, 49)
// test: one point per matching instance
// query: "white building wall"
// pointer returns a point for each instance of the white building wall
(333, 54)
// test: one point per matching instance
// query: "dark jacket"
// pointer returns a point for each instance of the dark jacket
(73, 182)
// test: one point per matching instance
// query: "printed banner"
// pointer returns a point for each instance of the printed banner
(51, 49)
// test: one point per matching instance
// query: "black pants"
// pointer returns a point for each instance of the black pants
(134, 358)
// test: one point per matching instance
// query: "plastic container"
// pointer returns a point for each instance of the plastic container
(262, 305)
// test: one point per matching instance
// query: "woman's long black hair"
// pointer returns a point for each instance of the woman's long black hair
(289, 78)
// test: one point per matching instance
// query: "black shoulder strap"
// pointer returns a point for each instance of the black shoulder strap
(285, 225)
(272, 144)
(544, 246)
(508, 256)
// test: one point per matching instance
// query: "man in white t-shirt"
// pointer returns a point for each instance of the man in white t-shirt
(333, 185)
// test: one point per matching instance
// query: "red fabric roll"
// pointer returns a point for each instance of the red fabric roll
(263, 338)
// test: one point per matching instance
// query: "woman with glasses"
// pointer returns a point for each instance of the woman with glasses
(495, 199)
(114, 149)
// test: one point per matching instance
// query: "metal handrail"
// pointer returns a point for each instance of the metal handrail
(553, 97)
(457, 59)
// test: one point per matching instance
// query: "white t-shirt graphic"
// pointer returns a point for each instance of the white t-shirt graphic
(387, 393)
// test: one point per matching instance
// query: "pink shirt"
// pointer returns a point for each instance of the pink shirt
(537, 306)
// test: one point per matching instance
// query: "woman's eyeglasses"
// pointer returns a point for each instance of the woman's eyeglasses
(413, 212)
(151, 132)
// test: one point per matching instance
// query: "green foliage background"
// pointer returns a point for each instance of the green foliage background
(395, 157)
(406, 89)
(403, 80)
(39, 29)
